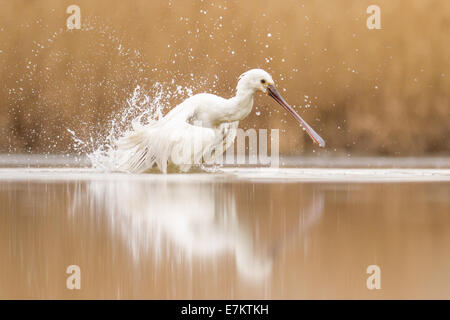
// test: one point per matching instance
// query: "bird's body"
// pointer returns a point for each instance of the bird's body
(200, 128)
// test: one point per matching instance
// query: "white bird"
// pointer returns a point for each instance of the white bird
(203, 126)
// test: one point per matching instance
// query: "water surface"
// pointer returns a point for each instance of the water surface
(240, 233)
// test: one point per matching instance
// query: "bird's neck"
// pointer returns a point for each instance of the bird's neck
(244, 98)
(241, 104)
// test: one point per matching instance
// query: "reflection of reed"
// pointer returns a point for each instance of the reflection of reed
(358, 82)
(192, 219)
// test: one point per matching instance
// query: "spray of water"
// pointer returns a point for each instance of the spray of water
(140, 109)
(107, 107)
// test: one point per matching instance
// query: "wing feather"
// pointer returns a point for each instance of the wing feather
(175, 139)
(177, 142)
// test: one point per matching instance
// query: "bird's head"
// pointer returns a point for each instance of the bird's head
(259, 80)
(255, 80)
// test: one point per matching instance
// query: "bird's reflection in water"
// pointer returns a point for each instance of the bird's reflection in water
(197, 219)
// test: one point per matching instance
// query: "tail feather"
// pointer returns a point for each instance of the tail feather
(134, 152)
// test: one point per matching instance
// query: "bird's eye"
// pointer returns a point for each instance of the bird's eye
(263, 81)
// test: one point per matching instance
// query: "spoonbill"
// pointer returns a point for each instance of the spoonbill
(204, 124)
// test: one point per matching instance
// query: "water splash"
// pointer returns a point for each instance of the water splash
(140, 109)
(112, 84)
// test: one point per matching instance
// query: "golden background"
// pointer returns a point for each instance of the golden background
(369, 92)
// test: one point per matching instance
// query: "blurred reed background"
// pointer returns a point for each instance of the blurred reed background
(367, 92)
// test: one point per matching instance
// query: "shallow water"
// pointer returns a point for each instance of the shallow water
(240, 233)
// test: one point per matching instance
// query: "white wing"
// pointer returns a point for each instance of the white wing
(227, 132)
(177, 138)
(170, 140)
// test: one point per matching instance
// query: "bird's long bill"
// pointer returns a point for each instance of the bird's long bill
(272, 91)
